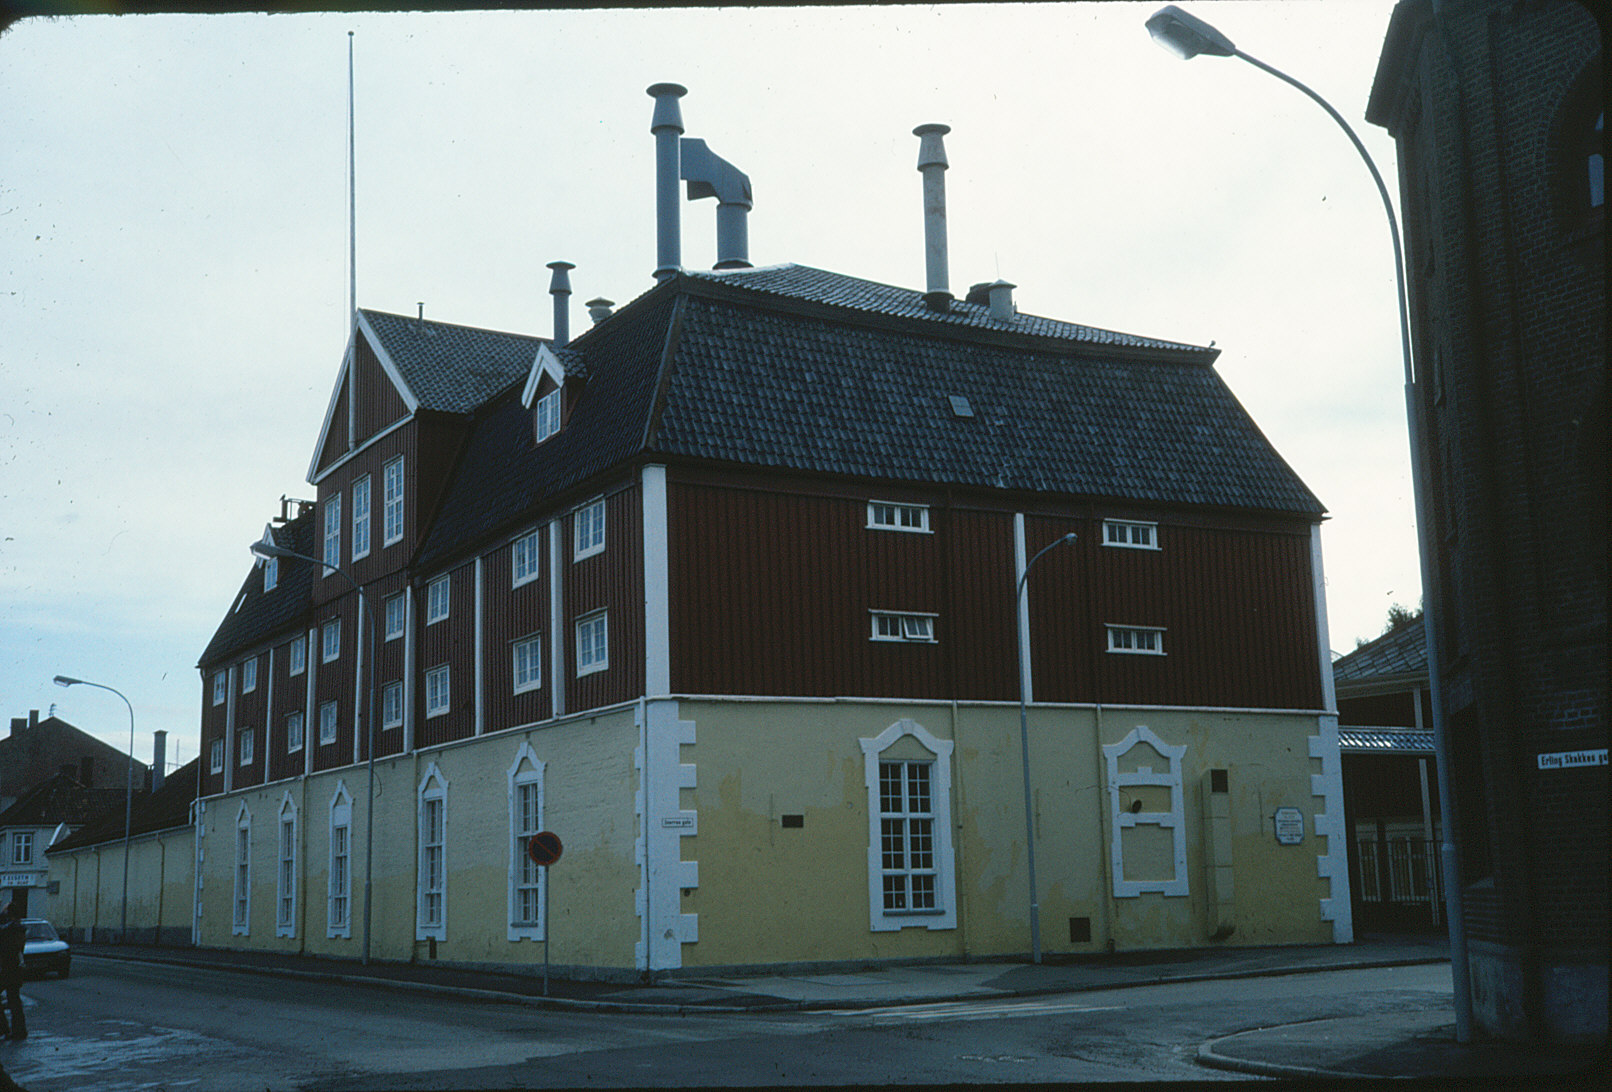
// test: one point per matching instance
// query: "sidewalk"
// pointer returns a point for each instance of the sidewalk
(1420, 1044)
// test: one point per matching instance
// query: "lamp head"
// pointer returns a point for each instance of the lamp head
(264, 550)
(66, 680)
(1186, 35)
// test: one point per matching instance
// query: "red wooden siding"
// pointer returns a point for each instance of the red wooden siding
(379, 404)
(290, 695)
(251, 709)
(451, 641)
(611, 580)
(334, 682)
(511, 615)
(214, 718)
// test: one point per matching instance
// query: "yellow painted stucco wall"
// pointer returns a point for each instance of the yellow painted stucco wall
(89, 889)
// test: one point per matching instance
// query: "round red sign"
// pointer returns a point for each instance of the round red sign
(544, 848)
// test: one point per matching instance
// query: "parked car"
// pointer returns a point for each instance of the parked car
(42, 950)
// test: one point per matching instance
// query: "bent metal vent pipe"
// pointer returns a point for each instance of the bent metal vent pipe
(667, 125)
(709, 175)
(932, 165)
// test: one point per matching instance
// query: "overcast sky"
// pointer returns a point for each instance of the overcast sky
(174, 240)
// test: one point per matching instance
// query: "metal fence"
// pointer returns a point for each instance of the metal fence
(1401, 870)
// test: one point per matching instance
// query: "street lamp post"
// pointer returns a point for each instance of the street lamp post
(1021, 609)
(128, 794)
(268, 550)
(1187, 36)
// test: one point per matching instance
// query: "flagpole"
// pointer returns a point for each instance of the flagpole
(352, 200)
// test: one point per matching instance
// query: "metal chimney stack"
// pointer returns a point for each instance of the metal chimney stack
(1001, 296)
(932, 165)
(560, 289)
(709, 175)
(667, 125)
(159, 758)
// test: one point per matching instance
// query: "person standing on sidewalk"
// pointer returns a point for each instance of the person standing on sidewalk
(11, 942)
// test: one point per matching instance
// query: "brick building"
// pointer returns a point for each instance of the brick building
(1497, 111)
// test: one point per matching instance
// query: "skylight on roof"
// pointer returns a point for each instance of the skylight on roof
(960, 406)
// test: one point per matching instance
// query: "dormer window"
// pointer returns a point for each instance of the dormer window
(546, 415)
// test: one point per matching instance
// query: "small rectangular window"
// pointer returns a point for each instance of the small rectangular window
(361, 518)
(525, 559)
(437, 599)
(392, 516)
(327, 723)
(330, 647)
(271, 573)
(546, 415)
(395, 608)
(298, 656)
(888, 626)
(392, 705)
(1144, 640)
(332, 539)
(22, 847)
(528, 663)
(889, 516)
(590, 530)
(1137, 536)
(249, 676)
(215, 757)
(248, 746)
(220, 687)
(293, 732)
(436, 691)
(593, 643)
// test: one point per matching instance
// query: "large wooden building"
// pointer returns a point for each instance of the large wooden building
(723, 593)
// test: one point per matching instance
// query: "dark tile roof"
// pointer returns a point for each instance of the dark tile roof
(165, 809)
(1385, 741)
(61, 799)
(1400, 652)
(255, 615)
(453, 369)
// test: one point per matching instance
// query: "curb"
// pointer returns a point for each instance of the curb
(1209, 1056)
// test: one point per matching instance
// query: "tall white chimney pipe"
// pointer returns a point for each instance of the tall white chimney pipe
(932, 165)
(667, 125)
(560, 289)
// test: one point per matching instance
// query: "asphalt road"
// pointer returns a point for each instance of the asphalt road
(124, 1026)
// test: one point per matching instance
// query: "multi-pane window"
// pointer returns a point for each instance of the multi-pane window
(330, 647)
(436, 691)
(528, 663)
(903, 627)
(285, 914)
(437, 598)
(433, 875)
(590, 529)
(327, 722)
(1137, 536)
(395, 616)
(361, 518)
(215, 757)
(293, 732)
(1147, 640)
(271, 573)
(332, 538)
(340, 881)
(22, 847)
(526, 558)
(248, 746)
(526, 907)
(593, 643)
(243, 872)
(249, 676)
(299, 656)
(546, 415)
(888, 516)
(907, 836)
(220, 687)
(392, 502)
(392, 705)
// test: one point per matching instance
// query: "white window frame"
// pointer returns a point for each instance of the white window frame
(241, 916)
(525, 819)
(1123, 819)
(546, 415)
(215, 757)
(249, 675)
(339, 877)
(526, 559)
(247, 748)
(392, 488)
(296, 731)
(1131, 534)
(911, 626)
(431, 904)
(329, 719)
(438, 600)
(527, 675)
(297, 655)
(588, 663)
(896, 516)
(22, 848)
(332, 536)
(361, 525)
(330, 641)
(391, 705)
(285, 895)
(396, 620)
(907, 741)
(437, 691)
(271, 573)
(1135, 640)
(588, 530)
(220, 687)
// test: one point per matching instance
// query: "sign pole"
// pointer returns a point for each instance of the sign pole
(544, 849)
(548, 926)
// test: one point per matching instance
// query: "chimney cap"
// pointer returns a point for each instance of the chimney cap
(931, 149)
(668, 114)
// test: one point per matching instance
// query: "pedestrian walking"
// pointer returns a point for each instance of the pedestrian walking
(12, 939)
